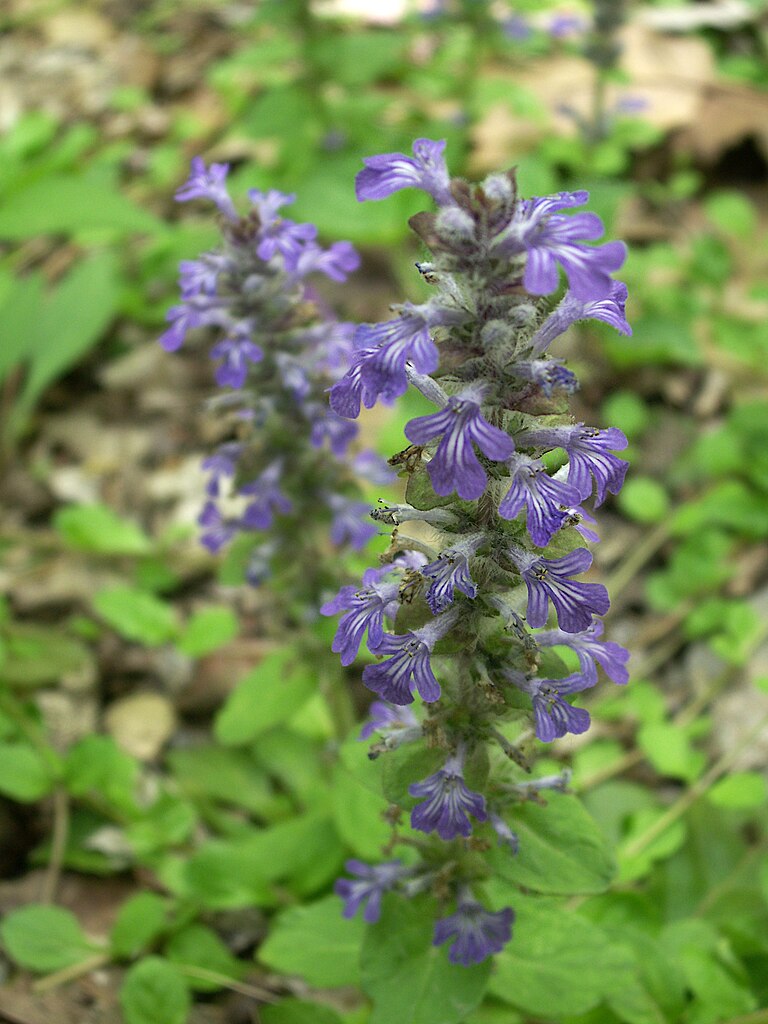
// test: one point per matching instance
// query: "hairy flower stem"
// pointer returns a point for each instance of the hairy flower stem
(507, 536)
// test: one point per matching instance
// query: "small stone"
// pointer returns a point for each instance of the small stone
(141, 724)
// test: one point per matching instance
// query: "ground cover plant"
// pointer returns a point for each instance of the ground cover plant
(185, 778)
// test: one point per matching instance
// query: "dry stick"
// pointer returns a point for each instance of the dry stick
(203, 974)
(72, 972)
(58, 845)
(644, 552)
(684, 716)
(678, 809)
(758, 1017)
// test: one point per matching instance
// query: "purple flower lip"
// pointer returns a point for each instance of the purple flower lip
(454, 465)
(553, 715)
(390, 172)
(478, 933)
(591, 651)
(373, 880)
(549, 580)
(448, 802)
(210, 184)
(542, 496)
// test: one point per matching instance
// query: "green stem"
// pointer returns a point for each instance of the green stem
(678, 809)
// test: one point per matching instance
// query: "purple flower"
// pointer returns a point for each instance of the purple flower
(390, 172)
(347, 393)
(550, 239)
(409, 665)
(505, 834)
(337, 262)
(448, 802)
(182, 319)
(515, 27)
(450, 572)
(365, 609)
(590, 454)
(200, 276)
(373, 880)
(236, 353)
(543, 496)
(564, 25)
(609, 309)
(258, 568)
(268, 499)
(286, 238)
(548, 374)
(392, 344)
(590, 649)
(558, 240)
(554, 717)
(294, 375)
(549, 579)
(454, 466)
(387, 718)
(268, 203)
(477, 932)
(208, 183)
(222, 463)
(217, 531)
(338, 432)
(350, 523)
(576, 517)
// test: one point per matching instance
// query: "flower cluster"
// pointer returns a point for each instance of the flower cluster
(277, 350)
(497, 477)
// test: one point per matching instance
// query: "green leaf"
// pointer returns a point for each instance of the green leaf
(316, 943)
(561, 850)
(627, 411)
(137, 615)
(19, 313)
(405, 765)
(712, 972)
(557, 964)
(741, 791)
(216, 876)
(297, 1011)
(340, 215)
(169, 821)
(200, 948)
(732, 213)
(644, 500)
(358, 804)
(636, 865)
(72, 319)
(44, 938)
(207, 630)
(140, 920)
(98, 529)
(271, 694)
(154, 992)
(38, 655)
(24, 775)
(304, 852)
(69, 204)
(670, 752)
(410, 980)
(231, 776)
(96, 766)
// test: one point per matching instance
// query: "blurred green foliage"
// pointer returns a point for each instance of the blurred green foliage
(263, 811)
